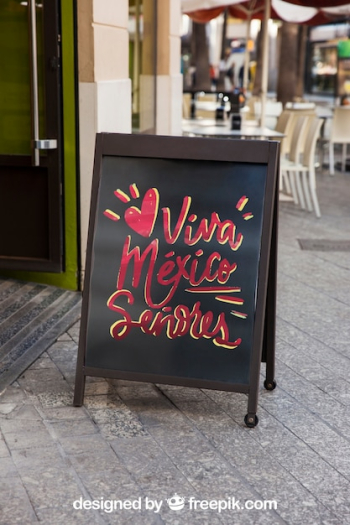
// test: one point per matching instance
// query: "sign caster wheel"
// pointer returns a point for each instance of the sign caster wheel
(270, 385)
(251, 420)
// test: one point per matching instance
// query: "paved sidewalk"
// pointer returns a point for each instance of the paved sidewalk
(140, 444)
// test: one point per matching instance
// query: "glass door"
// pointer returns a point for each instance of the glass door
(30, 136)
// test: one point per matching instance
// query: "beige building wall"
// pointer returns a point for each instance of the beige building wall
(105, 87)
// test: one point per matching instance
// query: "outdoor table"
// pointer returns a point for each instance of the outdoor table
(223, 130)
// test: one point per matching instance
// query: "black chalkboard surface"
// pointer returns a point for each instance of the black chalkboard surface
(180, 274)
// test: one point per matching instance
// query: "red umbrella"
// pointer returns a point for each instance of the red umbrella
(311, 12)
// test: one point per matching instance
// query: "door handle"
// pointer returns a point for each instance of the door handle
(37, 144)
(45, 144)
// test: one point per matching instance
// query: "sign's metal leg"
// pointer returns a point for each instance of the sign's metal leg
(269, 343)
(79, 388)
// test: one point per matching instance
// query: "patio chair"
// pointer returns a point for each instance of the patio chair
(304, 171)
(339, 134)
(291, 183)
(186, 105)
(300, 105)
(273, 109)
(205, 105)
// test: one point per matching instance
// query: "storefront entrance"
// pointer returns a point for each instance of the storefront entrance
(31, 165)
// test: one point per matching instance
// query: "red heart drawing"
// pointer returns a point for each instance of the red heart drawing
(142, 221)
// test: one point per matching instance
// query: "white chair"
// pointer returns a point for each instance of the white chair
(300, 105)
(186, 105)
(291, 183)
(305, 169)
(205, 104)
(285, 124)
(288, 119)
(339, 134)
(273, 109)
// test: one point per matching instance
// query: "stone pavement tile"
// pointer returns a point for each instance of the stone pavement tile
(206, 409)
(199, 517)
(117, 484)
(137, 453)
(187, 448)
(14, 393)
(99, 388)
(208, 517)
(44, 361)
(150, 467)
(164, 475)
(322, 379)
(131, 517)
(43, 381)
(155, 414)
(339, 390)
(70, 427)
(137, 391)
(263, 474)
(308, 427)
(4, 451)
(98, 462)
(307, 311)
(64, 351)
(320, 478)
(311, 270)
(7, 467)
(117, 422)
(296, 505)
(179, 393)
(38, 458)
(20, 434)
(111, 400)
(151, 406)
(315, 399)
(55, 399)
(6, 409)
(252, 516)
(19, 415)
(128, 429)
(64, 413)
(11, 424)
(64, 337)
(51, 487)
(171, 430)
(202, 471)
(67, 516)
(74, 445)
(15, 506)
(68, 372)
(74, 331)
(309, 357)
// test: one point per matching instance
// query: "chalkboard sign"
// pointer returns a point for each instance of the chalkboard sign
(181, 237)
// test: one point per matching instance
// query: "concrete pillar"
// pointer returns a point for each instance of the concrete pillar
(168, 65)
(104, 85)
(169, 80)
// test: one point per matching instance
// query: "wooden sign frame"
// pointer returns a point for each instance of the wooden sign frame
(252, 163)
